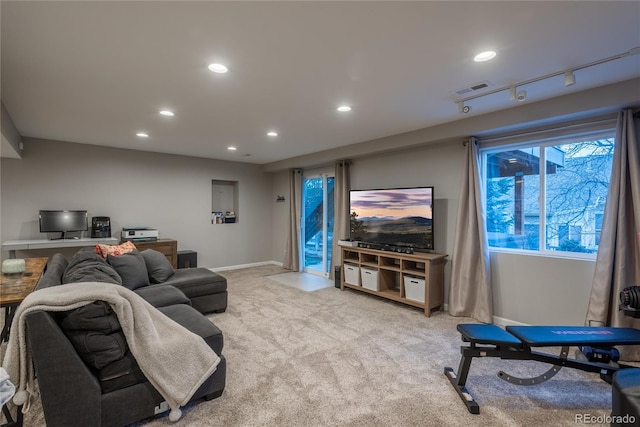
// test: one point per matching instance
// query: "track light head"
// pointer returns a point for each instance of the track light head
(569, 78)
(521, 95)
(512, 93)
(463, 108)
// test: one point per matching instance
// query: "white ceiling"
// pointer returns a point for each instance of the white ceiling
(98, 72)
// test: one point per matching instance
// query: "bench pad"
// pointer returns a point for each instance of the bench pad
(487, 334)
(595, 336)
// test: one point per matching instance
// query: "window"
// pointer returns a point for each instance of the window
(548, 195)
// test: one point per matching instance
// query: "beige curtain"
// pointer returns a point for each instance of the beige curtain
(292, 250)
(341, 215)
(618, 260)
(470, 292)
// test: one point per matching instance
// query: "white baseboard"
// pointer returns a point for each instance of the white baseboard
(507, 322)
(253, 264)
(500, 321)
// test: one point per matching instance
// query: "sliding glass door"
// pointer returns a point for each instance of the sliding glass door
(317, 222)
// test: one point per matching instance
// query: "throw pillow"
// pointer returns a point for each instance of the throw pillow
(115, 250)
(158, 266)
(131, 268)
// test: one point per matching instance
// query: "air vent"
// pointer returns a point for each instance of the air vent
(473, 88)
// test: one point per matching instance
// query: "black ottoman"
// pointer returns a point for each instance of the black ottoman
(625, 397)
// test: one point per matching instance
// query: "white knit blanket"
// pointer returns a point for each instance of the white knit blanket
(175, 360)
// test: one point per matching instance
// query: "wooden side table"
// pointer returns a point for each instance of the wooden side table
(14, 288)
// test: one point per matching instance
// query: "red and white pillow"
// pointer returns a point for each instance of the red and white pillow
(114, 250)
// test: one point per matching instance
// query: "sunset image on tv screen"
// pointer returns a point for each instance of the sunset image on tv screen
(400, 217)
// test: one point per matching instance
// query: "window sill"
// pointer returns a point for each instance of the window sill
(548, 254)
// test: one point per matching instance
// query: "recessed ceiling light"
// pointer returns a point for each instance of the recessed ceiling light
(231, 148)
(485, 56)
(142, 135)
(167, 113)
(218, 68)
(272, 133)
(344, 108)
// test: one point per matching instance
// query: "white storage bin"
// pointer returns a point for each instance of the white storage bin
(369, 278)
(352, 274)
(414, 288)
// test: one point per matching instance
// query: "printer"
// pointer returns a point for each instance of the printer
(139, 234)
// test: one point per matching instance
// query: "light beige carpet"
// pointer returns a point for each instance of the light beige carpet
(303, 281)
(343, 358)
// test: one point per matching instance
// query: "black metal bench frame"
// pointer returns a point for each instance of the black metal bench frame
(510, 347)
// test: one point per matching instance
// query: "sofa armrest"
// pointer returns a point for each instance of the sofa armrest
(53, 272)
(69, 391)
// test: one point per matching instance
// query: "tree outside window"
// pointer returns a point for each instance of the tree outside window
(555, 208)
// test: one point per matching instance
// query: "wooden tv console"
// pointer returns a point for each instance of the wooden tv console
(385, 274)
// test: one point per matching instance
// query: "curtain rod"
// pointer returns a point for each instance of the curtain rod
(602, 121)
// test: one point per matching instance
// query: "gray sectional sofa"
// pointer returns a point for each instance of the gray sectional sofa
(85, 373)
(206, 290)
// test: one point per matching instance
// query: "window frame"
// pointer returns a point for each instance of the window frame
(604, 129)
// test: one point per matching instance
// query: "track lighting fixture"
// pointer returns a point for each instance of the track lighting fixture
(463, 108)
(569, 78)
(521, 95)
(512, 93)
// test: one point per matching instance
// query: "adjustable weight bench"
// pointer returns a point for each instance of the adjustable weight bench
(516, 343)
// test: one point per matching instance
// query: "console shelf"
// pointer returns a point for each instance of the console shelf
(414, 279)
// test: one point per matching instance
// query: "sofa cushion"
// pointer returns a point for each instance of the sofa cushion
(195, 282)
(196, 323)
(162, 295)
(87, 266)
(52, 276)
(95, 333)
(116, 250)
(158, 266)
(98, 349)
(131, 268)
(96, 316)
(122, 373)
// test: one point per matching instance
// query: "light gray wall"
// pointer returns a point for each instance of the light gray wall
(9, 136)
(134, 188)
(541, 290)
(426, 166)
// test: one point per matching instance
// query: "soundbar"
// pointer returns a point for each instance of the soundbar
(390, 248)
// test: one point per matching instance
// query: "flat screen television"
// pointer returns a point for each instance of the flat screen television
(63, 222)
(398, 217)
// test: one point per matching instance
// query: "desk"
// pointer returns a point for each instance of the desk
(14, 288)
(16, 245)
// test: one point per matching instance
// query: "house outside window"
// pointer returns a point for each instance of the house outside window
(548, 196)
